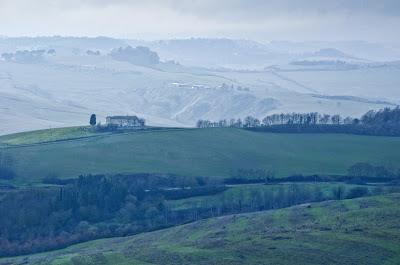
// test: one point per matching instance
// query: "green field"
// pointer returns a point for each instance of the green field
(206, 152)
(42, 136)
(357, 231)
(248, 193)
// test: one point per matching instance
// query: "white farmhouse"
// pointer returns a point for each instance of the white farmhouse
(125, 122)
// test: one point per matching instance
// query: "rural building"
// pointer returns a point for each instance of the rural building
(125, 122)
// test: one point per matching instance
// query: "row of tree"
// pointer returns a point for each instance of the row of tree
(365, 169)
(385, 122)
(312, 118)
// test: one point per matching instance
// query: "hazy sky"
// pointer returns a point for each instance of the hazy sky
(263, 20)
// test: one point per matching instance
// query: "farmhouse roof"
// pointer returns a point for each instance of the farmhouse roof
(123, 117)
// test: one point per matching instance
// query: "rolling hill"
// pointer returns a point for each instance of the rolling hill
(214, 152)
(64, 87)
(357, 231)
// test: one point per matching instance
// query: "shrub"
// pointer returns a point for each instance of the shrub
(357, 192)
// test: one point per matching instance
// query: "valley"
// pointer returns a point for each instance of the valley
(361, 231)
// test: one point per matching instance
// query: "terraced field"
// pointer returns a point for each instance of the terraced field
(357, 231)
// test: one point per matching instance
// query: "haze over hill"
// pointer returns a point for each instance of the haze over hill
(58, 81)
(199, 132)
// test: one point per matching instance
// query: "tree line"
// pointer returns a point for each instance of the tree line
(382, 122)
(312, 118)
(361, 173)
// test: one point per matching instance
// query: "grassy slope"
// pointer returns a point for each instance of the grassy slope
(209, 152)
(358, 231)
(246, 193)
(49, 135)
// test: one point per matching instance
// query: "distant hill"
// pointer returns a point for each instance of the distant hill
(357, 231)
(331, 52)
(138, 56)
(59, 42)
(217, 52)
(49, 82)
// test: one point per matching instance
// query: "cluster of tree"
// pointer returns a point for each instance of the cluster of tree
(365, 169)
(382, 122)
(333, 63)
(341, 192)
(362, 180)
(90, 207)
(231, 87)
(306, 119)
(359, 173)
(384, 117)
(93, 53)
(248, 122)
(138, 56)
(27, 56)
(312, 118)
